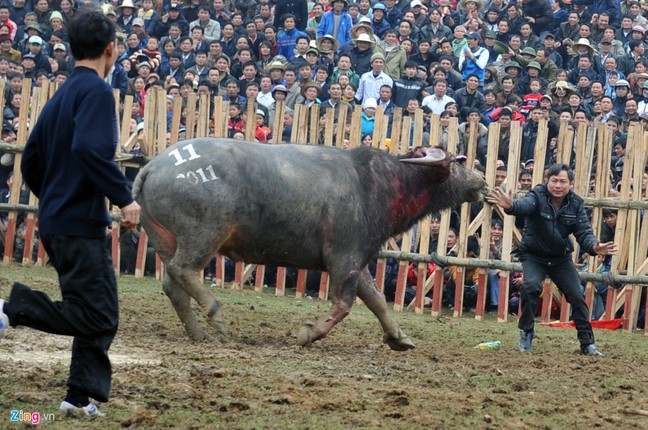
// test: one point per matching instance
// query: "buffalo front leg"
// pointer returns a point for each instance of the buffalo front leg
(343, 298)
(394, 337)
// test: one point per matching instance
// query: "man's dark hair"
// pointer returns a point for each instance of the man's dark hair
(555, 170)
(89, 33)
(525, 172)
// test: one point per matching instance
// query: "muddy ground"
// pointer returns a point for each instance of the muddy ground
(259, 379)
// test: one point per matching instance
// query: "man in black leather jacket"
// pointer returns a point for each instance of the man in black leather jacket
(552, 212)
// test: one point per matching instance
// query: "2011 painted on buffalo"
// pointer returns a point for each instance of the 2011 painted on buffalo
(30, 417)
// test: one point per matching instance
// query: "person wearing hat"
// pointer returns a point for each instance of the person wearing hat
(469, 9)
(279, 94)
(533, 71)
(361, 53)
(327, 45)
(474, 58)
(622, 94)
(435, 30)
(311, 91)
(127, 12)
(35, 48)
(368, 116)
(379, 23)
(6, 49)
(275, 69)
(262, 132)
(371, 81)
(336, 22)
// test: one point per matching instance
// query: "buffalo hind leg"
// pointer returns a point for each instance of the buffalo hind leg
(394, 337)
(181, 302)
(185, 268)
(344, 296)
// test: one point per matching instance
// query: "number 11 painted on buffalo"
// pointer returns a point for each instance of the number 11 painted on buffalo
(179, 160)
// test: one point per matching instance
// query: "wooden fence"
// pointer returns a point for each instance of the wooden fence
(205, 117)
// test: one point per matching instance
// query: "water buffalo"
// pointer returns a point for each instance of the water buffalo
(303, 206)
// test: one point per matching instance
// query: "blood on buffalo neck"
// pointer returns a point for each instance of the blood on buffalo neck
(402, 193)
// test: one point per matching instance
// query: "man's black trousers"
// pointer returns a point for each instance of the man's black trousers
(565, 276)
(89, 310)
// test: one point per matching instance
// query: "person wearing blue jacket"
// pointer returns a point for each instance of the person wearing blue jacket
(552, 212)
(337, 23)
(68, 163)
(612, 7)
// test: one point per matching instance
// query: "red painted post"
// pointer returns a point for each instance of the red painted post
(280, 289)
(380, 274)
(258, 280)
(437, 291)
(547, 299)
(565, 309)
(301, 283)
(41, 260)
(238, 275)
(459, 293)
(421, 277)
(29, 239)
(323, 290)
(401, 283)
(627, 310)
(114, 240)
(503, 298)
(219, 277)
(609, 304)
(482, 283)
(10, 236)
(140, 261)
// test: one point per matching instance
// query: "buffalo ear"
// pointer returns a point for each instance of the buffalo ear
(433, 157)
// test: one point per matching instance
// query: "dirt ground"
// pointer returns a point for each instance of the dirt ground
(259, 379)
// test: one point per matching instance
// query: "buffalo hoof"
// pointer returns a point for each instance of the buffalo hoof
(215, 318)
(304, 335)
(400, 343)
(203, 336)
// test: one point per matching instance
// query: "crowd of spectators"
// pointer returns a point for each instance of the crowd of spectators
(481, 61)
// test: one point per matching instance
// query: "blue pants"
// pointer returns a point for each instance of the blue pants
(565, 276)
(89, 310)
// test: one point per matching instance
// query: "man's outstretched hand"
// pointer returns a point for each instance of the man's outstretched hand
(500, 198)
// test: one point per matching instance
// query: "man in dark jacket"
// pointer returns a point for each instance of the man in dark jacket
(68, 163)
(539, 15)
(552, 212)
(611, 7)
(408, 87)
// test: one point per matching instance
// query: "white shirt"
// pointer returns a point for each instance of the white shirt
(369, 85)
(436, 105)
(265, 99)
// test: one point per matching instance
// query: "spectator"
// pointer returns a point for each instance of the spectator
(395, 57)
(473, 58)
(362, 53)
(368, 116)
(287, 38)
(371, 81)
(336, 23)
